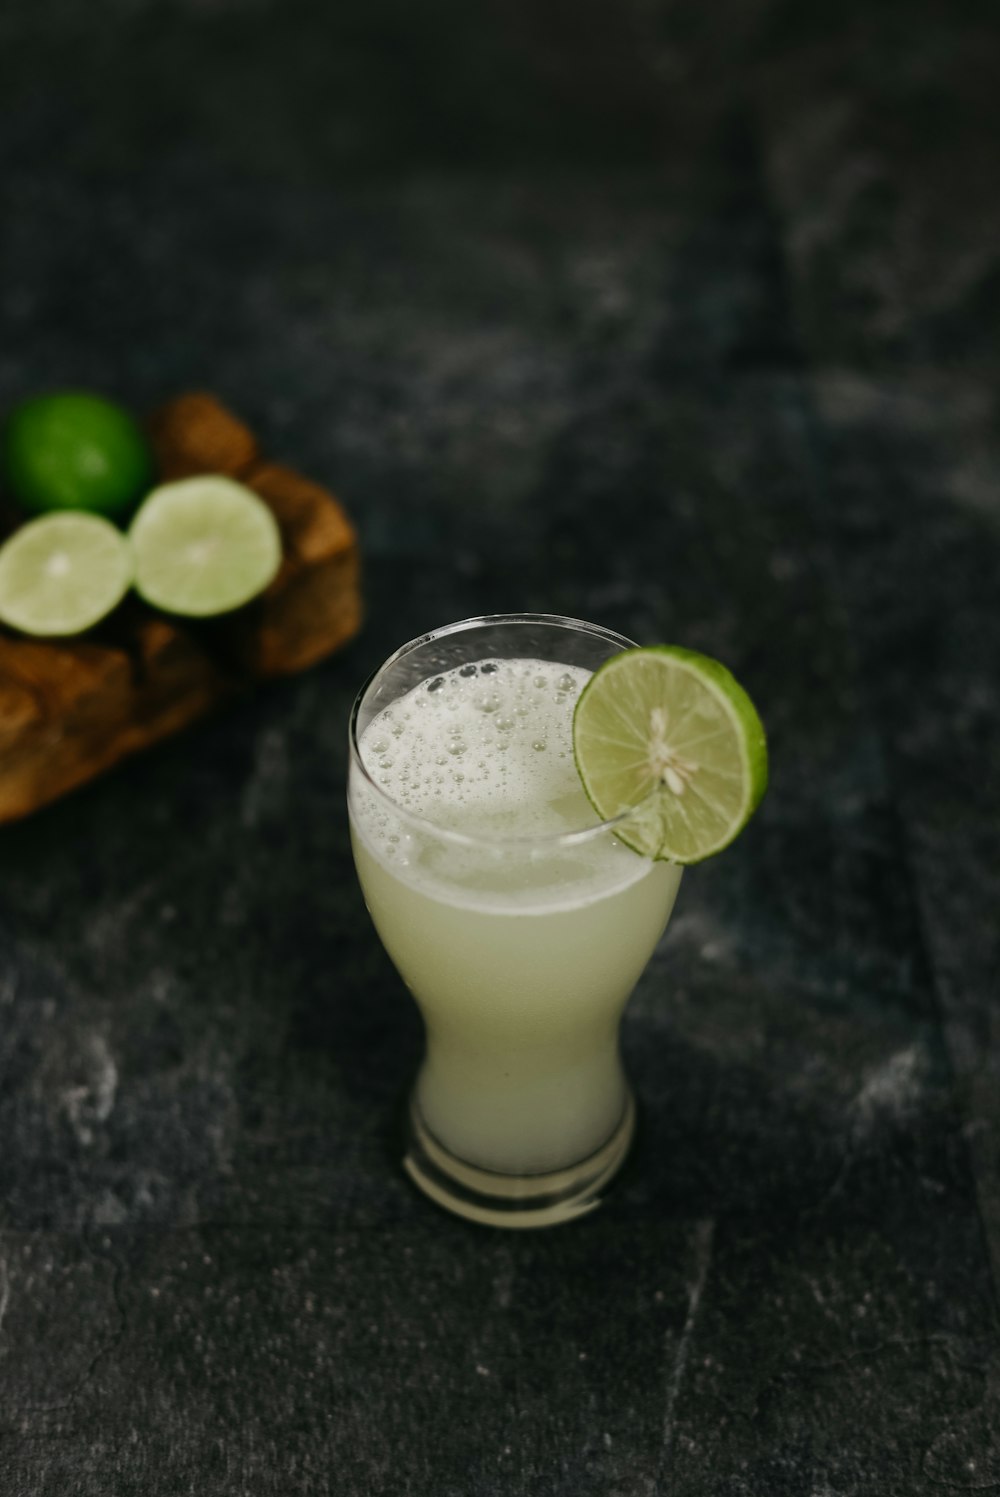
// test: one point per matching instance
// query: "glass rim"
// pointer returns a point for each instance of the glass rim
(547, 840)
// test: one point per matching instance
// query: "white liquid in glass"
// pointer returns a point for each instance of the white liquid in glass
(520, 956)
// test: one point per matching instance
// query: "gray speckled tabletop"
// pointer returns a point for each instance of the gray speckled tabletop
(682, 320)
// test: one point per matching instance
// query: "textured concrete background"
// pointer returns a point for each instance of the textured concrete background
(681, 318)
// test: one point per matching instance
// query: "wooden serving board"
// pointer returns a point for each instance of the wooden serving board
(70, 709)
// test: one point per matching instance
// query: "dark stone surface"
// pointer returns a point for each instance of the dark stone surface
(680, 318)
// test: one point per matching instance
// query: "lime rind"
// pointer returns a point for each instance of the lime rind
(668, 739)
(204, 546)
(61, 573)
(75, 450)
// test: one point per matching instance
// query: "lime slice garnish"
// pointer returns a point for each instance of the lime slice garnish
(671, 736)
(203, 546)
(62, 573)
(75, 451)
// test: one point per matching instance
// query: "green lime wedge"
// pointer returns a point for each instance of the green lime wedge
(75, 450)
(62, 573)
(670, 736)
(204, 546)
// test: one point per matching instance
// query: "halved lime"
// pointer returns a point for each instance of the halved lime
(62, 573)
(204, 546)
(672, 736)
(75, 450)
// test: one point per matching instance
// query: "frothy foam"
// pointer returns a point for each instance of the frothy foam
(486, 749)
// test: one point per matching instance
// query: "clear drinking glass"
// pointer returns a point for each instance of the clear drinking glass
(518, 920)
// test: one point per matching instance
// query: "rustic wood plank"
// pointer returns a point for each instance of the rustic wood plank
(196, 433)
(71, 709)
(314, 603)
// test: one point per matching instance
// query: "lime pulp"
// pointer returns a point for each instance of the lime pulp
(62, 573)
(669, 740)
(204, 546)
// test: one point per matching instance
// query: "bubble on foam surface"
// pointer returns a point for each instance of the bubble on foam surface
(509, 747)
(497, 771)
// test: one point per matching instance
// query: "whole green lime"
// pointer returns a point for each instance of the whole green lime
(75, 451)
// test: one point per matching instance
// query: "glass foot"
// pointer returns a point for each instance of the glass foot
(519, 1201)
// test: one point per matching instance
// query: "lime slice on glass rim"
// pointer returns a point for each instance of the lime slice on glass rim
(204, 546)
(671, 736)
(62, 573)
